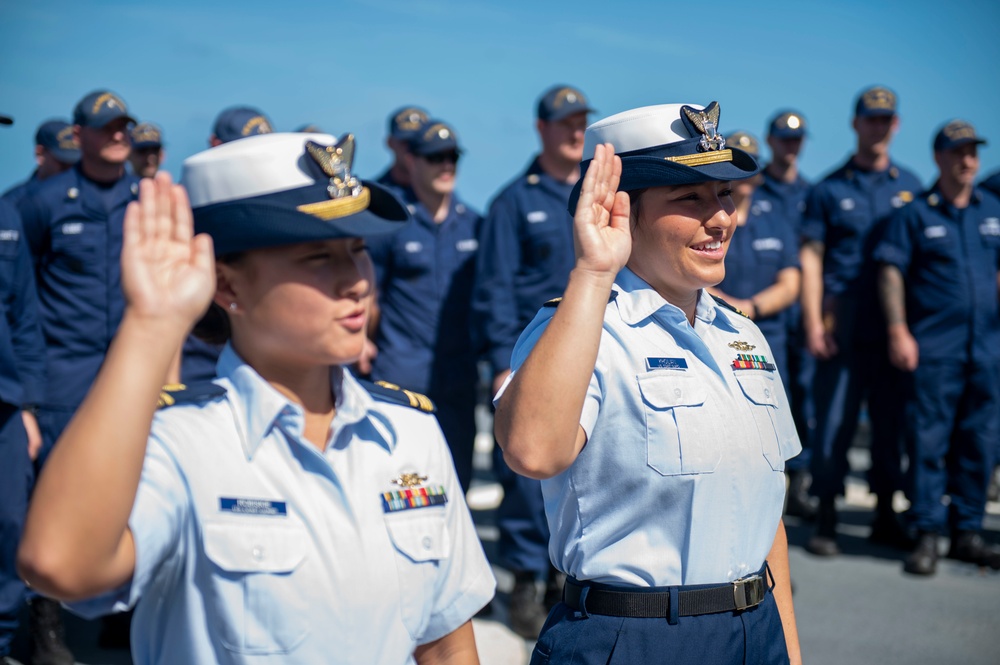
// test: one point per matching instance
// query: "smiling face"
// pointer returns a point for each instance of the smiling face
(299, 306)
(680, 237)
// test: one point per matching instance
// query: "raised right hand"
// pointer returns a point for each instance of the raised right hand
(601, 234)
(166, 273)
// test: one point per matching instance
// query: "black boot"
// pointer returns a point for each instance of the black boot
(527, 613)
(969, 546)
(824, 540)
(923, 559)
(800, 504)
(48, 641)
(888, 530)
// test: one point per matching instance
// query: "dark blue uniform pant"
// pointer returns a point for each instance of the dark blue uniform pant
(953, 421)
(457, 417)
(524, 531)
(860, 371)
(15, 483)
(752, 636)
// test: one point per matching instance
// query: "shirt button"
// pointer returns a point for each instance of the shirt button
(258, 553)
(677, 392)
(767, 392)
(427, 542)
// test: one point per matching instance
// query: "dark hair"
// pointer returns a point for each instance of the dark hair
(213, 327)
(635, 206)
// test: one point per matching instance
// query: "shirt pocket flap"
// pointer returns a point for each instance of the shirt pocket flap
(667, 389)
(270, 548)
(758, 389)
(420, 537)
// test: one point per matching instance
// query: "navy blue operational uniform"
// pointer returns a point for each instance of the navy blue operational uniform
(525, 257)
(845, 212)
(22, 371)
(74, 230)
(992, 183)
(949, 258)
(22, 190)
(424, 274)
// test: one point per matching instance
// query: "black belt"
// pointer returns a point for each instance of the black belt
(669, 603)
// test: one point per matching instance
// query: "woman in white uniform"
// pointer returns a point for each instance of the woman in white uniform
(285, 513)
(654, 415)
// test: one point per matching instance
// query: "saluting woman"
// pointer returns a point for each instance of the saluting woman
(654, 415)
(285, 513)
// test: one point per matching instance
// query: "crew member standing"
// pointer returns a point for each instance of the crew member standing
(73, 224)
(940, 269)
(843, 322)
(56, 149)
(526, 254)
(783, 195)
(424, 275)
(147, 149)
(22, 376)
(404, 126)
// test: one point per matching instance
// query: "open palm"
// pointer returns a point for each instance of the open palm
(601, 233)
(166, 272)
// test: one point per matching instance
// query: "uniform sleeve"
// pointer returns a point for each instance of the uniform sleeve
(527, 341)
(896, 246)
(156, 523)
(494, 305)
(814, 218)
(465, 582)
(23, 318)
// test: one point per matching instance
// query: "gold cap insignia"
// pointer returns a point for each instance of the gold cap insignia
(66, 139)
(410, 119)
(740, 345)
(348, 195)
(409, 480)
(109, 100)
(706, 123)
(880, 98)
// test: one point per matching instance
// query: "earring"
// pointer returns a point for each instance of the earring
(232, 307)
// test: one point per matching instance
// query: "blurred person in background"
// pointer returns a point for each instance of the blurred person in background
(404, 125)
(783, 194)
(73, 224)
(424, 278)
(526, 254)
(938, 282)
(845, 213)
(147, 149)
(56, 149)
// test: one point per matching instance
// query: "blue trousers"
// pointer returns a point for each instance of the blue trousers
(752, 636)
(953, 422)
(861, 371)
(457, 417)
(801, 372)
(15, 484)
(524, 531)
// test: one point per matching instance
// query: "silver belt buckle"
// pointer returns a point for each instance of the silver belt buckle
(748, 591)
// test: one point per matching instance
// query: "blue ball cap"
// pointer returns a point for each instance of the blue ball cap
(877, 100)
(665, 145)
(99, 108)
(237, 122)
(561, 101)
(745, 141)
(956, 133)
(787, 125)
(146, 135)
(56, 136)
(285, 188)
(435, 136)
(406, 121)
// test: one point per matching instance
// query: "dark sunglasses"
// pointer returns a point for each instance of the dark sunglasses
(442, 157)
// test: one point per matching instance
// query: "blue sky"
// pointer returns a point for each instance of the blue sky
(481, 65)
